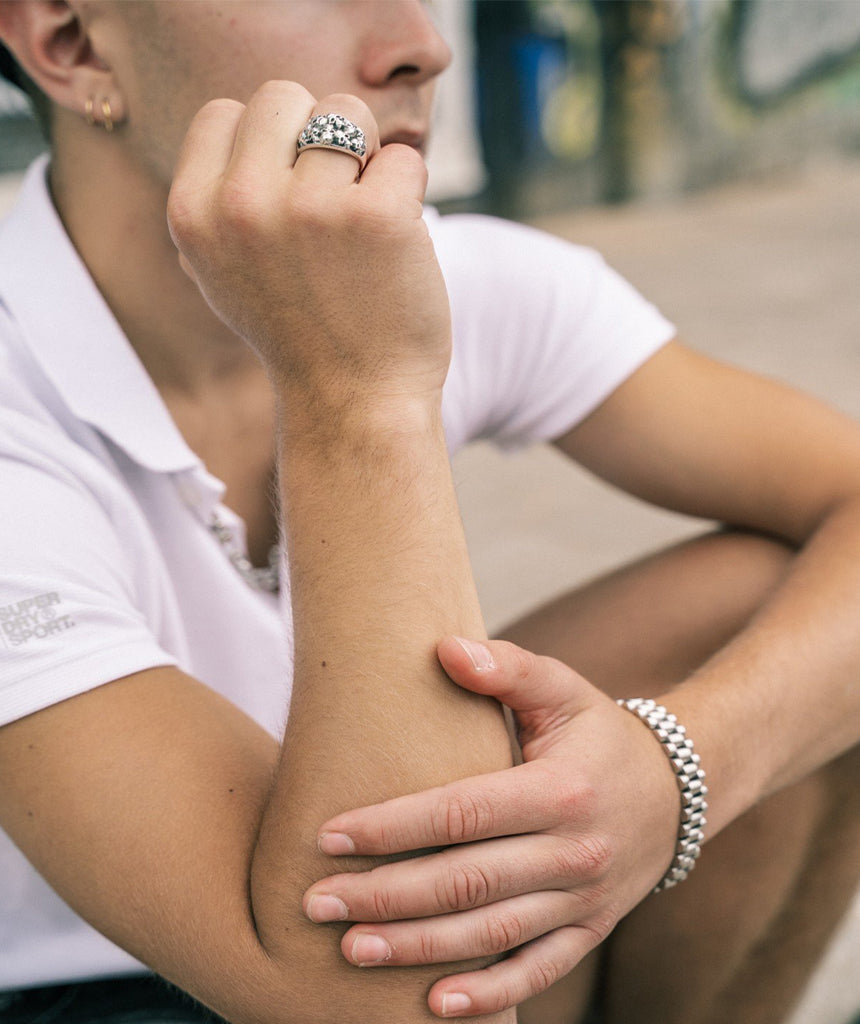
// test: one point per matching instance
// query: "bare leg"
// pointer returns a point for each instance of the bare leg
(738, 940)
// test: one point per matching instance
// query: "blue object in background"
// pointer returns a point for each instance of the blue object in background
(540, 67)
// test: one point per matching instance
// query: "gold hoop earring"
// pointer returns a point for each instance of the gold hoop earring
(107, 115)
(88, 110)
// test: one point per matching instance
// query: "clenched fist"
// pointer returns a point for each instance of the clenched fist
(330, 275)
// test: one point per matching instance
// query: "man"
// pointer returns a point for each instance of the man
(145, 675)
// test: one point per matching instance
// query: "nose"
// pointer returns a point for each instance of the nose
(402, 43)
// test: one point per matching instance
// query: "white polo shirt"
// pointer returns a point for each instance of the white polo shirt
(108, 564)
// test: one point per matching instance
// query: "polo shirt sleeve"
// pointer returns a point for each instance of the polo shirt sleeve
(544, 330)
(71, 618)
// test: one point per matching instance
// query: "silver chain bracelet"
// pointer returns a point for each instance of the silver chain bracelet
(691, 782)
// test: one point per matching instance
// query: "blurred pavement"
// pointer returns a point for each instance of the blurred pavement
(763, 274)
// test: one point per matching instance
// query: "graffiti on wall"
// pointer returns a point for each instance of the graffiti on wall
(779, 47)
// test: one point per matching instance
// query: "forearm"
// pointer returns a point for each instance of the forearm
(334, 282)
(379, 573)
(782, 699)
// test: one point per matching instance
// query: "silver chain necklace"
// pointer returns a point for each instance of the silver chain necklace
(267, 579)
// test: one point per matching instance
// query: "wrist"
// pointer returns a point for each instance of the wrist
(690, 779)
(727, 747)
(336, 419)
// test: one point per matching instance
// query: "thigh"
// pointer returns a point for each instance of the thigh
(648, 625)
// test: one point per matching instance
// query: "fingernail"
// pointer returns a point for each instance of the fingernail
(478, 654)
(370, 949)
(455, 1002)
(335, 844)
(326, 908)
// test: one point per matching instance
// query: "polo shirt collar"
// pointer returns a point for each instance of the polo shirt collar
(74, 337)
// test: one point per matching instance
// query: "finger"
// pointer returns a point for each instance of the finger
(266, 135)
(461, 878)
(208, 144)
(485, 931)
(395, 173)
(523, 681)
(527, 798)
(204, 156)
(526, 973)
(331, 167)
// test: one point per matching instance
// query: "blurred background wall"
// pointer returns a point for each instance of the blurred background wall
(609, 100)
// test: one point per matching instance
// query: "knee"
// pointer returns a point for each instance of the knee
(754, 562)
(726, 576)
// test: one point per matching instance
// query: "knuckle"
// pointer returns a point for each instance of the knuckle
(217, 113)
(523, 663)
(221, 111)
(183, 216)
(349, 105)
(219, 108)
(465, 886)
(426, 949)
(500, 933)
(564, 800)
(567, 804)
(577, 802)
(188, 215)
(587, 858)
(387, 836)
(586, 798)
(382, 905)
(599, 926)
(278, 90)
(464, 816)
(508, 995)
(505, 991)
(595, 856)
(565, 863)
(540, 974)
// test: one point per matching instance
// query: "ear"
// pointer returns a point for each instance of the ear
(51, 43)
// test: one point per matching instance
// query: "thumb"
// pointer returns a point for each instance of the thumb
(534, 687)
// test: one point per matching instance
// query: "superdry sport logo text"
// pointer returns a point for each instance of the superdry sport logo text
(33, 618)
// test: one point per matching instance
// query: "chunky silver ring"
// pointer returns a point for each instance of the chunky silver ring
(333, 131)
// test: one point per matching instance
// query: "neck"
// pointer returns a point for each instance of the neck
(114, 212)
(211, 381)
